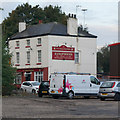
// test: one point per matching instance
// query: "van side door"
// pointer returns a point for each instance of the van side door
(94, 85)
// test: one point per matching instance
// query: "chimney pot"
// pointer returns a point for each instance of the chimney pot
(72, 15)
(69, 15)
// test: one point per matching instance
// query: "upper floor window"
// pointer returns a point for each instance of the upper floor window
(17, 57)
(28, 42)
(77, 58)
(17, 44)
(28, 56)
(39, 56)
(39, 41)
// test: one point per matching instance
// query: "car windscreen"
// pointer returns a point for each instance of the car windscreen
(46, 83)
(35, 83)
(107, 85)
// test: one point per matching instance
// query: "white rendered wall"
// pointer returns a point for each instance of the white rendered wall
(33, 53)
(72, 25)
(85, 46)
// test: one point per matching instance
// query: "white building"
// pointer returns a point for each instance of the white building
(42, 49)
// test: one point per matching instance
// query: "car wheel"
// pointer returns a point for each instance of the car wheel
(117, 96)
(102, 99)
(21, 90)
(33, 91)
(70, 95)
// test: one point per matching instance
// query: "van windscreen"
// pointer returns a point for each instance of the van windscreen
(107, 85)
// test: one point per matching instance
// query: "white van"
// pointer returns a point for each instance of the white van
(73, 84)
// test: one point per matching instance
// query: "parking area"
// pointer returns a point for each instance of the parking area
(31, 106)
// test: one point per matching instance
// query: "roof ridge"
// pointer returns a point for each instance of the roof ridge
(52, 27)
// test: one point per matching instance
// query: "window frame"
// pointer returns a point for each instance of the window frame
(17, 57)
(39, 41)
(18, 79)
(28, 42)
(77, 59)
(28, 57)
(39, 56)
(38, 76)
(17, 43)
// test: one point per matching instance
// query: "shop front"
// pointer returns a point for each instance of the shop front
(32, 74)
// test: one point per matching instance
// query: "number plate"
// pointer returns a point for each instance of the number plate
(104, 94)
(44, 91)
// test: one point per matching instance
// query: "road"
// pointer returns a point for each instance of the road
(31, 106)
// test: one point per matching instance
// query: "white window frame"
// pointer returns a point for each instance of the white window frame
(39, 41)
(17, 43)
(38, 76)
(77, 59)
(18, 79)
(28, 42)
(17, 57)
(28, 56)
(39, 56)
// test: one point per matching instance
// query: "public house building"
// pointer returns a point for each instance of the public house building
(42, 49)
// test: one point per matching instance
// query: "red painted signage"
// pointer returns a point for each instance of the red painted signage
(63, 48)
(29, 70)
(63, 53)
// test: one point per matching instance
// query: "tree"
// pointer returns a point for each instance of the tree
(8, 72)
(30, 15)
(103, 57)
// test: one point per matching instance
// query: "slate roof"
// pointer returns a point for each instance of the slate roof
(52, 28)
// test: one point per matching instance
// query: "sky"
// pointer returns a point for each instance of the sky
(101, 17)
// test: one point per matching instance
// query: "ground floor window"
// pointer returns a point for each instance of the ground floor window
(38, 76)
(18, 78)
(28, 76)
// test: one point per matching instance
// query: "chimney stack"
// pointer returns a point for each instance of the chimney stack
(22, 26)
(72, 25)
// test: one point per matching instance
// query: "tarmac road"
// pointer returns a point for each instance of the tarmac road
(31, 106)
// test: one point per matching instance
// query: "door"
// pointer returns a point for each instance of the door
(94, 85)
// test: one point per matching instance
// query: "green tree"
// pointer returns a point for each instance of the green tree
(54, 14)
(8, 72)
(30, 15)
(103, 57)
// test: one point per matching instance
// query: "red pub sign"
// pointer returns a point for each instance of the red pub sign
(63, 53)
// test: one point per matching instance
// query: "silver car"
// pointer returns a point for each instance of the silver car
(110, 89)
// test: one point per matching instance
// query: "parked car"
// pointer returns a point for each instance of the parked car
(71, 85)
(30, 86)
(110, 89)
(43, 88)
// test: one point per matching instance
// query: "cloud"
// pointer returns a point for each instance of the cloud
(106, 34)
